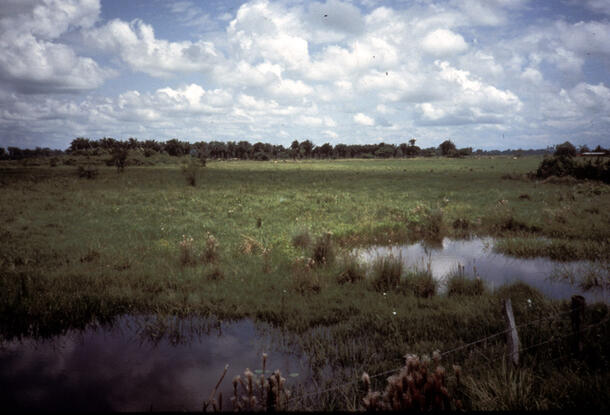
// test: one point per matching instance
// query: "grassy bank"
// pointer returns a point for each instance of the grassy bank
(73, 249)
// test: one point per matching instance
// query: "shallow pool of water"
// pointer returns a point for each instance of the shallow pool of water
(138, 364)
(477, 257)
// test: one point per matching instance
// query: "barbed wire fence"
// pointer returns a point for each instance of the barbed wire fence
(483, 340)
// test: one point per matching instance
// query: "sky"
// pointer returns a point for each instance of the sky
(488, 74)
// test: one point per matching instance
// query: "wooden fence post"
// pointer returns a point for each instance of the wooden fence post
(577, 315)
(512, 336)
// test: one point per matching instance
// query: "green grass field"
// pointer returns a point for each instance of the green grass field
(73, 250)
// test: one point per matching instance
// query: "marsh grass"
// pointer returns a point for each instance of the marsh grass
(506, 389)
(594, 276)
(386, 273)
(191, 171)
(135, 220)
(210, 253)
(426, 222)
(419, 386)
(302, 239)
(323, 252)
(187, 255)
(554, 248)
(351, 269)
(420, 283)
(305, 278)
(458, 283)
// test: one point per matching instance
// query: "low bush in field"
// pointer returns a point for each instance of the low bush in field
(562, 166)
(87, 172)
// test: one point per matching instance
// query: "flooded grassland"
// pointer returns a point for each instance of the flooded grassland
(293, 245)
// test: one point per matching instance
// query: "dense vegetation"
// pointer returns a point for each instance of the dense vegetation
(272, 241)
(244, 150)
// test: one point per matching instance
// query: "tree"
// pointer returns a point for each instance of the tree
(294, 149)
(243, 150)
(306, 148)
(80, 143)
(385, 151)
(565, 150)
(412, 142)
(175, 148)
(446, 147)
(326, 150)
(119, 157)
(341, 151)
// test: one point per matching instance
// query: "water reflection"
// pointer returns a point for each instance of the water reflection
(477, 257)
(138, 364)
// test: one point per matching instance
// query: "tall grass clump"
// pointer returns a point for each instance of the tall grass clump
(505, 389)
(352, 270)
(210, 253)
(420, 283)
(458, 283)
(419, 386)
(302, 239)
(187, 256)
(386, 272)
(304, 278)
(251, 393)
(191, 172)
(427, 223)
(323, 250)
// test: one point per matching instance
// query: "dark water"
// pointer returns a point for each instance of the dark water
(138, 364)
(477, 257)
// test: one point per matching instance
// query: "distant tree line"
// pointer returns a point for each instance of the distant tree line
(245, 150)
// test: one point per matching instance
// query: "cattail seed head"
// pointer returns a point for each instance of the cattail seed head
(366, 380)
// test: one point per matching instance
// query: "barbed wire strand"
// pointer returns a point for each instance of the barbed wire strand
(387, 372)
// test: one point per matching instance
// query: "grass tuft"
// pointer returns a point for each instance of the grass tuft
(323, 250)
(458, 283)
(352, 270)
(387, 272)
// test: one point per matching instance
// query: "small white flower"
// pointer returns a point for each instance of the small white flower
(394, 312)
(384, 294)
(529, 302)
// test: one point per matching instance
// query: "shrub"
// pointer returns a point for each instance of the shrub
(88, 172)
(119, 158)
(565, 150)
(564, 166)
(555, 166)
(323, 252)
(387, 272)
